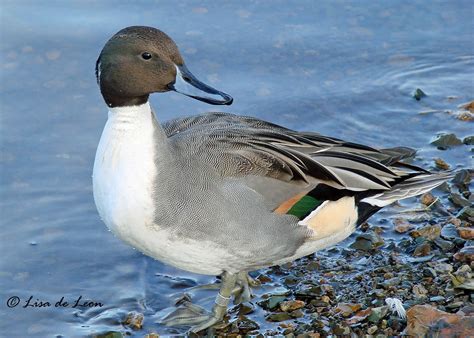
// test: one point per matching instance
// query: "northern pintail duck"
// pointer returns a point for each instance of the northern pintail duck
(222, 194)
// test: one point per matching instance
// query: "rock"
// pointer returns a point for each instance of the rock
(134, 320)
(466, 254)
(466, 214)
(244, 324)
(425, 320)
(443, 267)
(469, 106)
(371, 330)
(278, 317)
(449, 232)
(466, 233)
(341, 329)
(296, 314)
(441, 164)
(418, 94)
(377, 314)
(430, 232)
(422, 250)
(465, 116)
(427, 198)
(419, 291)
(359, 316)
(346, 309)
(246, 308)
(458, 200)
(437, 299)
(291, 305)
(443, 244)
(468, 140)
(367, 241)
(271, 302)
(402, 225)
(445, 141)
(326, 299)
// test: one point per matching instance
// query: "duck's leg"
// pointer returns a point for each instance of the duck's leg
(242, 291)
(190, 314)
(222, 300)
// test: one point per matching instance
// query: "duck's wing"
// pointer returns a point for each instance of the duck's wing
(280, 163)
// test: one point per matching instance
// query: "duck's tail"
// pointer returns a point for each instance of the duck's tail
(410, 187)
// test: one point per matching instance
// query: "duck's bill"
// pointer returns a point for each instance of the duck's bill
(187, 84)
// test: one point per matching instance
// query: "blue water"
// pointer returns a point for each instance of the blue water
(346, 69)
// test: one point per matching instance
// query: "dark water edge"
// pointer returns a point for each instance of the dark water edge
(346, 69)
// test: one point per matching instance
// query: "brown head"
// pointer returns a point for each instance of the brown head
(138, 61)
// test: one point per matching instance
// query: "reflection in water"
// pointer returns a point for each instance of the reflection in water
(343, 69)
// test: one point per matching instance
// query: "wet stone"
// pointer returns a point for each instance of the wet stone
(458, 200)
(441, 164)
(367, 242)
(430, 232)
(466, 254)
(341, 329)
(346, 309)
(271, 302)
(422, 250)
(244, 324)
(469, 140)
(466, 233)
(278, 317)
(449, 232)
(466, 214)
(371, 330)
(291, 305)
(134, 320)
(378, 313)
(401, 225)
(418, 94)
(443, 244)
(437, 299)
(246, 308)
(445, 141)
(427, 198)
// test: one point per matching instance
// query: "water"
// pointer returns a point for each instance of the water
(340, 68)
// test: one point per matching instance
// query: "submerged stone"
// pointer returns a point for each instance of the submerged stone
(418, 94)
(445, 141)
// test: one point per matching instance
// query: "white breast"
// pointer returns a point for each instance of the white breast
(124, 183)
(124, 172)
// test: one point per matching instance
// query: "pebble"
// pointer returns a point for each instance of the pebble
(430, 232)
(378, 313)
(466, 233)
(271, 302)
(401, 225)
(420, 291)
(278, 317)
(244, 324)
(422, 250)
(427, 198)
(346, 309)
(441, 164)
(418, 94)
(372, 329)
(468, 140)
(466, 214)
(437, 299)
(466, 254)
(291, 305)
(445, 141)
(449, 232)
(134, 320)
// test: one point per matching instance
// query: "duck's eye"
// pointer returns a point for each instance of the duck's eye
(146, 56)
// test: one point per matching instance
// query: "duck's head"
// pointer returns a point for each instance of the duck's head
(138, 61)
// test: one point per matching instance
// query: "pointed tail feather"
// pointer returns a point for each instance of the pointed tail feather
(413, 186)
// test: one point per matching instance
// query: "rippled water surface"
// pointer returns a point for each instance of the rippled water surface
(346, 69)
